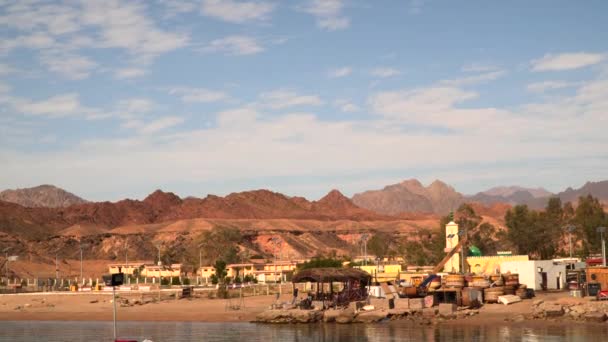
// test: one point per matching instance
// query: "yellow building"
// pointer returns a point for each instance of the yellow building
(206, 272)
(383, 273)
(242, 270)
(486, 265)
(164, 271)
(129, 269)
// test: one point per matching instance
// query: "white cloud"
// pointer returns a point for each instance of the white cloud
(541, 87)
(237, 11)
(125, 25)
(202, 95)
(237, 118)
(126, 73)
(235, 46)
(566, 61)
(246, 144)
(340, 72)
(328, 14)
(346, 106)
(422, 105)
(4, 88)
(70, 66)
(475, 79)
(56, 106)
(415, 6)
(6, 69)
(135, 105)
(384, 72)
(175, 7)
(479, 67)
(160, 124)
(279, 99)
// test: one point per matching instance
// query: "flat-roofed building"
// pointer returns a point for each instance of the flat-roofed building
(134, 268)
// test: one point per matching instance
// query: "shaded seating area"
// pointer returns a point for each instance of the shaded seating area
(352, 287)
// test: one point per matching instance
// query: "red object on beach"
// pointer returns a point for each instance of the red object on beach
(602, 295)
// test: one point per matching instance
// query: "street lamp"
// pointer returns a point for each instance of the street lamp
(364, 239)
(6, 255)
(159, 246)
(462, 235)
(275, 240)
(570, 229)
(602, 231)
(81, 248)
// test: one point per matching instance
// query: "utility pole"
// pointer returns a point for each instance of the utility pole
(159, 274)
(602, 231)
(463, 234)
(570, 229)
(127, 253)
(81, 262)
(56, 268)
(6, 255)
(364, 237)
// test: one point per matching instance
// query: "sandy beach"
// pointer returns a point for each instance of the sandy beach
(98, 307)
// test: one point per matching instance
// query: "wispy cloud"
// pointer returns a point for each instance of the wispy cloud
(279, 99)
(55, 106)
(235, 46)
(415, 6)
(160, 124)
(70, 66)
(126, 73)
(328, 14)
(541, 87)
(346, 106)
(202, 95)
(475, 79)
(479, 67)
(566, 61)
(384, 72)
(237, 11)
(339, 72)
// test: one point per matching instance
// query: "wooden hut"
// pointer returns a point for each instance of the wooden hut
(354, 284)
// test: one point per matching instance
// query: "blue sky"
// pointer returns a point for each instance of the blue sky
(114, 99)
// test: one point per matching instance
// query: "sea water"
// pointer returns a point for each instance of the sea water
(52, 331)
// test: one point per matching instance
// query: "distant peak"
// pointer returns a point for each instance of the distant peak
(411, 181)
(162, 197)
(334, 195)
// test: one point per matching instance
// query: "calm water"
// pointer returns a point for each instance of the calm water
(247, 332)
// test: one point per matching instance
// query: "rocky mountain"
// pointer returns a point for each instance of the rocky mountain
(537, 198)
(410, 196)
(506, 191)
(595, 189)
(160, 207)
(41, 196)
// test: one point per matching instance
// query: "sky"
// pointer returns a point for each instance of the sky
(114, 99)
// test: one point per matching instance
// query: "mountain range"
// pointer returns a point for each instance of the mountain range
(41, 196)
(43, 222)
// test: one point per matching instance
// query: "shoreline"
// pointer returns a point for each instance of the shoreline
(145, 308)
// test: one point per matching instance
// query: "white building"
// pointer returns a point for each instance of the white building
(538, 274)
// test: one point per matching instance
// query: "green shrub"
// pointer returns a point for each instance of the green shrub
(175, 281)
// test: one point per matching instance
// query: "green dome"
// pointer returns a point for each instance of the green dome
(474, 251)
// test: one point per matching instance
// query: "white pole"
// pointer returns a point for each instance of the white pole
(603, 251)
(114, 311)
(81, 279)
(570, 242)
(56, 269)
